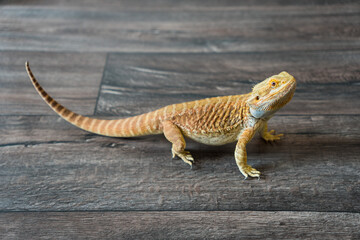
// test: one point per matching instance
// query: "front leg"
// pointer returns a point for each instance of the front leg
(241, 156)
(269, 136)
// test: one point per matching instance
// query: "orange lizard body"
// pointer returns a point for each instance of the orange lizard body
(212, 121)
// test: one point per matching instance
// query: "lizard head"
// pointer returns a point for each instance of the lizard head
(271, 94)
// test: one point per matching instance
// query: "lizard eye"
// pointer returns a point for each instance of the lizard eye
(273, 84)
(257, 98)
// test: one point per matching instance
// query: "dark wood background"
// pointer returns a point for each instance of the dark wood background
(121, 58)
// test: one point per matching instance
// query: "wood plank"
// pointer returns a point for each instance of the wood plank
(167, 26)
(138, 83)
(165, 5)
(48, 165)
(180, 225)
(72, 78)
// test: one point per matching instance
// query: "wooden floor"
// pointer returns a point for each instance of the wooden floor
(122, 58)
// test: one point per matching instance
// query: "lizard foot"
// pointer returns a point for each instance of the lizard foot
(247, 170)
(269, 136)
(185, 156)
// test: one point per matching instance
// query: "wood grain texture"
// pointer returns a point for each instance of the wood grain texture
(180, 225)
(164, 5)
(168, 26)
(83, 186)
(137, 83)
(71, 78)
(48, 165)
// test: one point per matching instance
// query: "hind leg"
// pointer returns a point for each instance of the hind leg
(174, 135)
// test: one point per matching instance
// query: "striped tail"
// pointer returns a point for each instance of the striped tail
(144, 124)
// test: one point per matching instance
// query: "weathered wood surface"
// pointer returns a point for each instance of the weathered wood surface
(120, 58)
(138, 83)
(71, 78)
(169, 26)
(180, 225)
(48, 165)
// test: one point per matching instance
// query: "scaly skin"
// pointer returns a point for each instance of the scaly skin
(212, 121)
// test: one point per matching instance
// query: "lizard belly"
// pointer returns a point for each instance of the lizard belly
(214, 138)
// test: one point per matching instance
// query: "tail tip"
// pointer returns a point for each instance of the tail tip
(27, 64)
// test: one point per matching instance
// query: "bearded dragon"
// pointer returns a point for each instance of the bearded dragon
(212, 121)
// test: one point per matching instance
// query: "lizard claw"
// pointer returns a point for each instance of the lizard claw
(249, 171)
(185, 156)
(269, 136)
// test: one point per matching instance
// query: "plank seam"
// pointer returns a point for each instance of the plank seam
(144, 211)
(114, 117)
(101, 83)
(195, 52)
(33, 143)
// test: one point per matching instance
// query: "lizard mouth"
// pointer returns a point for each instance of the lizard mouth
(286, 94)
(279, 99)
(267, 105)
